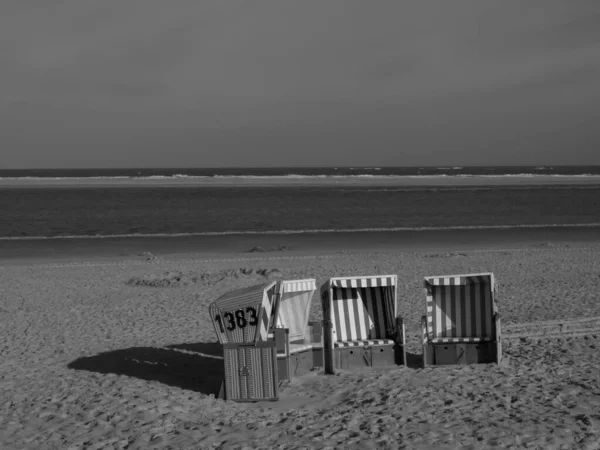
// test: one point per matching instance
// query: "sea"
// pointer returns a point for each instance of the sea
(155, 212)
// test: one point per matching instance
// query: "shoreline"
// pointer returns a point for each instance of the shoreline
(290, 245)
(342, 181)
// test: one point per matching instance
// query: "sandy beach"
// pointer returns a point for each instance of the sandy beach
(120, 353)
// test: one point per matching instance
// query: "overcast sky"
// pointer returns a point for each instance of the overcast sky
(142, 83)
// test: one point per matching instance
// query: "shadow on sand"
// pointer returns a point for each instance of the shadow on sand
(414, 361)
(197, 367)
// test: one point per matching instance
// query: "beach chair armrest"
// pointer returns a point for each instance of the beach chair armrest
(424, 329)
(282, 340)
(497, 326)
(426, 356)
(314, 332)
(400, 337)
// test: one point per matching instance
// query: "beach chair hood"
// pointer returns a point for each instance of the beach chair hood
(461, 280)
(245, 316)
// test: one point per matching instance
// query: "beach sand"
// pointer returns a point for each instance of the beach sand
(120, 353)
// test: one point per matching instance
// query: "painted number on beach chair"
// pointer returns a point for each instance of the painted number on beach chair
(237, 319)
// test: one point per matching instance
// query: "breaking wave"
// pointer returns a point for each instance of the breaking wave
(305, 231)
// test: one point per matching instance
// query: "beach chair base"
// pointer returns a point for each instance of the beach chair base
(299, 363)
(389, 355)
(318, 355)
(371, 356)
(460, 353)
(296, 364)
(292, 363)
(250, 372)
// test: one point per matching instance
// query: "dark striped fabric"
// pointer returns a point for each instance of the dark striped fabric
(363, 282)
(361, 309)
(361, 313)
(460, 308)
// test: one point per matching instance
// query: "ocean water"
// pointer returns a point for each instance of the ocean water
(92, 212)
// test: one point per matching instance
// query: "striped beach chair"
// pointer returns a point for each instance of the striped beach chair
(243, 320)
(299, 344)
(360, 325)
(462, 325)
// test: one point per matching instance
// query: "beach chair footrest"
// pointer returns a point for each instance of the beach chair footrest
(462, 353)
(250, 372)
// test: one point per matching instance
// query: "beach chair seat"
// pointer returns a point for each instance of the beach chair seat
(363, 343)
(457, 340)
(295, 348)
(299, 343)
(359, 323)
(462, 324)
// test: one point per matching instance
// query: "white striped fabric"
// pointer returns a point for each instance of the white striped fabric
(364, 282)
(294, 308)
(460, 308)
(368, 342)
(267, 312)
(458, 340)
(299, 285)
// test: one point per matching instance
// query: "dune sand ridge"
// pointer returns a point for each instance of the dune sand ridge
(122, 354)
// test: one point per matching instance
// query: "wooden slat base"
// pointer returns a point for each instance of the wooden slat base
(373, 356)
(460, 353)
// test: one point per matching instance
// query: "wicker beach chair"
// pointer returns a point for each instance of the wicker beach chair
(244, 320)
(360, 326)
(462, 325)
(299, 344)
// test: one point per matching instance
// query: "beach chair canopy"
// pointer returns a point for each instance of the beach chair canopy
(362, 309)
(294, 306)
(461, 308)
(244, 316)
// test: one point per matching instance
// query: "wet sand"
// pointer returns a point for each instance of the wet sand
(245, 244)
(345, 181)
(91, 358)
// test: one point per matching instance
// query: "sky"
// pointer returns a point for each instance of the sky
(187, 83)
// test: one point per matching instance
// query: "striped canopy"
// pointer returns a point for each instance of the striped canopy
(360, 308)
(298, 285)
(360, 282)
(460, 307)
(244, 315)
(294, 306)
(458, 280)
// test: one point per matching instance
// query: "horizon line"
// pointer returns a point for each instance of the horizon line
(299, 167)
